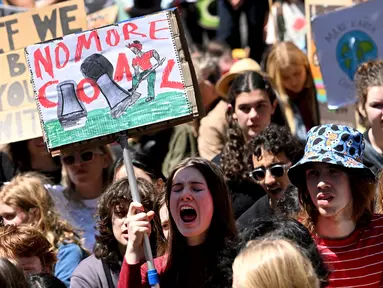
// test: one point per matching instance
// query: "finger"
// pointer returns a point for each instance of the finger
(139, 217)
(150, 215)
(135, 207)
(138, 224)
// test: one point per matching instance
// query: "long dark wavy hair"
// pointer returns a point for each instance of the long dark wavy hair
(222, 228)
(106, 247)
(235, 155)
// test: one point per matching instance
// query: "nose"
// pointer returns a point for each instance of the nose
(269, 179)
(253, 113)
(322, 185)
(186, 195)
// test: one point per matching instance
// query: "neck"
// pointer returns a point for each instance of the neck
(376, 140)
(335, 227)
(43, 162)
(90, 190)
(272, 203)
(196, 240)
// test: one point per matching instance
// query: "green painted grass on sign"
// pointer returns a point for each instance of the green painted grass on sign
(165, 106)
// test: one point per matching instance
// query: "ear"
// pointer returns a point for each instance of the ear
(230, 110)
(274, 106)
(34, 215)
(361, 110)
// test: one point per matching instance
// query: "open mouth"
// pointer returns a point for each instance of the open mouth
(188, 214)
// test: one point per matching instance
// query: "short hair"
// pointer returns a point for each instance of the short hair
(26, 241)
(277, 139)
(368, 74)
(106, 247)
(11, 276)
(273, 263)
(44, 280)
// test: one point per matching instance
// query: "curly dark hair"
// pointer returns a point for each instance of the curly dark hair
(277, 139)
(106, 247)
(368, 74)
(235, 154)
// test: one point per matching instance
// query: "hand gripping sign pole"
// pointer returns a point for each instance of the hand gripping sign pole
(152, 272)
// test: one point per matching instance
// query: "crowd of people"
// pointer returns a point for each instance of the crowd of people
(257, 193)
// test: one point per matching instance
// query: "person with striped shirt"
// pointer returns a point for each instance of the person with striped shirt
(336, 192)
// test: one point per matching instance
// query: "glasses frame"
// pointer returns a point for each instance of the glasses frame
(79, 154)
(262, 168)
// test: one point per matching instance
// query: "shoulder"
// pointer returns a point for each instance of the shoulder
(69, 253)
(252, 213)
(88, 271)
(217, 159)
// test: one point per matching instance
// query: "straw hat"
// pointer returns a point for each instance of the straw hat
(238, 67)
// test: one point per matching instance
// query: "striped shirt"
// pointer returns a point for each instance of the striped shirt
(356, 261)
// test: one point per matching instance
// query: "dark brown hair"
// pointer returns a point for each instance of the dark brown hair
(11, 276)
(26, 241)
(106, 247)
(362, 191)
(368, 74)
(222, 227)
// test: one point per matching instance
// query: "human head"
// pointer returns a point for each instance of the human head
(281, 227)
(252, 103)
(331, 177)
(142, 169)
(90, 165)
(273, 263)
(222, 51)
(369, 86)
(29, 248)
(26, 200)
(135, 46)
(289, 67)
(11, 276)
(44, 280)
(164, 213)
(275, 145)
(207, 72)
(21, 152)
(112, 210)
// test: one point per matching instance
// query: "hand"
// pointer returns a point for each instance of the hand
(236, 4)
(138, 222)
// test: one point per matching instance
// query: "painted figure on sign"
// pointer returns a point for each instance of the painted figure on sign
(148, 71)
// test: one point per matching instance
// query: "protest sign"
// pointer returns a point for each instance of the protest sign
(103, 17)
(135, 75)
(19, 119)
(22, 29)
(346, 115)
(345, 39)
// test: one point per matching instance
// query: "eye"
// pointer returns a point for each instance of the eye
(9, 217)
(177, 188)
(333, 171)
(245, 109)
(165, 226)
(377, 105)
(312, 173)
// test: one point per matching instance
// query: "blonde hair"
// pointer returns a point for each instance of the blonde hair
(272, 263)
(283, 55)
(27, 191)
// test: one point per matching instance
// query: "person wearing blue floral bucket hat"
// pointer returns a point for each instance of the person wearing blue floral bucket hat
(336, 192)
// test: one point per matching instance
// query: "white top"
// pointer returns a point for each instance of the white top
(81, 215)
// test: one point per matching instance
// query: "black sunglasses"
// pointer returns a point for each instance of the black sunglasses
(84, 156)
(276, 170)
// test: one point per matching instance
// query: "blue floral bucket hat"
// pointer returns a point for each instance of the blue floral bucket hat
(333, 144)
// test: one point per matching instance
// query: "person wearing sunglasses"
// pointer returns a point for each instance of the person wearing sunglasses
(274, 150)
(86, 175)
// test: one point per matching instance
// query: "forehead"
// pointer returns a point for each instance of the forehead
(188, 174)
(252, 97)
(321, 166)
(291, 69)
(267, 158)
(375, 94)
(4, 208)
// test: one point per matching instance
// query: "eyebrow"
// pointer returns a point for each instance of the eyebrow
(191, 182)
